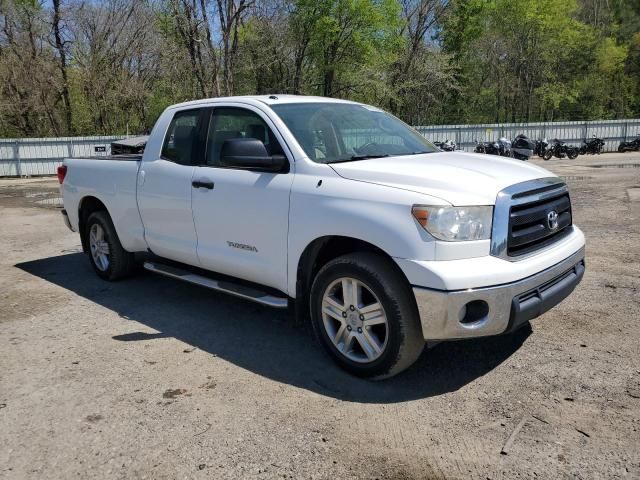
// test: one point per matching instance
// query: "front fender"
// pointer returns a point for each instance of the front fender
(375, 214)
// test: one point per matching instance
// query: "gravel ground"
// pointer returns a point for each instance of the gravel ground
(154, 378)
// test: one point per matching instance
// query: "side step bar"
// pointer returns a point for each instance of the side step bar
(235, 289)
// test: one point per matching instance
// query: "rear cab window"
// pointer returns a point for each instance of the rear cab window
(180, 139)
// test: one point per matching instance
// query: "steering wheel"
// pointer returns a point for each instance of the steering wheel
(363, 149)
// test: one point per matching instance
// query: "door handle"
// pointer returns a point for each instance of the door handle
(204, 183)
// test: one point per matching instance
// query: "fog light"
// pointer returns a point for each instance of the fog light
(473, 312)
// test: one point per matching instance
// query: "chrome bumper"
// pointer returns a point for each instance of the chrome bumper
(65, 217)
(448, 315)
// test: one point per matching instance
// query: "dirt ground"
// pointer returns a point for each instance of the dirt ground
(152, 378)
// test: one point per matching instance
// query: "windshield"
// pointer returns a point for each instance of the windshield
(343, 132)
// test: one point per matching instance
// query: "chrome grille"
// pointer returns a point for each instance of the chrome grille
(529, 225)
(521, 223)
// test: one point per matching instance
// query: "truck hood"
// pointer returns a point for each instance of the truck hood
(456, 177)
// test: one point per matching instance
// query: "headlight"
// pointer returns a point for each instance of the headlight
(455, 224)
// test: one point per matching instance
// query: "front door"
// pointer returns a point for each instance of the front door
(242, 222)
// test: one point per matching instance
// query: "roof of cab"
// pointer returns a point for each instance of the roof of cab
(266, 99)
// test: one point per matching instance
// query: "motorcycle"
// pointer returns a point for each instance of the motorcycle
(490, 148)
(446, 146)
(593, 146)
(522, 148)
(560, 149)
(504, 146)
(630, 146)
(540, 147)
(500, 147)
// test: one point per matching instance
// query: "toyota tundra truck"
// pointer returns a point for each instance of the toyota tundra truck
(384, 242)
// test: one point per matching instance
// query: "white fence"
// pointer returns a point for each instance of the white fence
(465, 136)
(41, 156)
(22, 157)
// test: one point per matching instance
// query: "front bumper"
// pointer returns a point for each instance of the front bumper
(478, 312)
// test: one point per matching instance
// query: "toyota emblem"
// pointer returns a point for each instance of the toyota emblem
(552, 220)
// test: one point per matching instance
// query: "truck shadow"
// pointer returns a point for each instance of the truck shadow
(265, 341)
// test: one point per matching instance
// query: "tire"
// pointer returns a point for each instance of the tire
(547, 154)
(621, 148)
(399, 340)
(572, 153)
(119, 263)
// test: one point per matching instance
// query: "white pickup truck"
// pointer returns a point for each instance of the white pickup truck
(383, 241)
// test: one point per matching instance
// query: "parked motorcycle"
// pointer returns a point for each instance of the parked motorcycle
(541, 147)
(504, 146)
(446, 146)
(500, 147)
(491, 148)
(592, 146)
(522, 148)
(630, 146)
(560, 149)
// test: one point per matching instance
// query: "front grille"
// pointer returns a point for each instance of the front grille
(529, 227)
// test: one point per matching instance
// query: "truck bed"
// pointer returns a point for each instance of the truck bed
(111, 179)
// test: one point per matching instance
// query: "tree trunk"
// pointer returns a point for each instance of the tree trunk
(64, 88)
(212, 51)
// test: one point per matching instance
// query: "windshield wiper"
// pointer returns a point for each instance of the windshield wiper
(355, 158)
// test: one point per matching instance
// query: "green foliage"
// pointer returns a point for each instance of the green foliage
(536, 60)
(428, 61)
(347, 40)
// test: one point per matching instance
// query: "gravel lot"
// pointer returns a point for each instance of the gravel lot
(153, 378)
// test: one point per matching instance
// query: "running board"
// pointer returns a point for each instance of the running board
(235, 289)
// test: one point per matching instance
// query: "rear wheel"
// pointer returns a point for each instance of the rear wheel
(547, 154)
(109, 260)
(572, 153)
(365, 317)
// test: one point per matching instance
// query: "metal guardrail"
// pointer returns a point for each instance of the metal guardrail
(41, 156)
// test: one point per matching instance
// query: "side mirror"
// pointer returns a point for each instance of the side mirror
(250, 154)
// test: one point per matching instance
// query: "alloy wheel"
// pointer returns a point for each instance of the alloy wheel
(99, 247)
(354, 320)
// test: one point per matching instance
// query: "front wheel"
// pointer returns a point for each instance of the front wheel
(547, 154)
(364, 315)
(572, 153)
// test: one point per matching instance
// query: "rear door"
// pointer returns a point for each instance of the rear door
(243, 221)
(164, 190)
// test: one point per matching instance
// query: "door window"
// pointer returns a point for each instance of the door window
(179, 142)
(229, 123)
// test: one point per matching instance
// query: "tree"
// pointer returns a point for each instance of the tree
(346, 37)
(516, 58)
(111, 66)
(27, 70)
